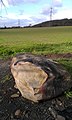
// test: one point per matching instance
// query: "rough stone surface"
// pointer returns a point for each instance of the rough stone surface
(39, 78)
(14, 95)
(59, 117)
(17, 113)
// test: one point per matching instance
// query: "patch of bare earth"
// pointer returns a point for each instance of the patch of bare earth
(14, 107)
(61, 56)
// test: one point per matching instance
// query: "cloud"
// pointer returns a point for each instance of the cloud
(31, 1)
(63, 13)
(38, 19)
(55, 6)
(14, 22)
(16, 2)
(47, 10)
(57, 3)
(12, 19)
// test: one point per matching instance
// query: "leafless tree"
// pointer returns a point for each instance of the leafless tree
(2, 3)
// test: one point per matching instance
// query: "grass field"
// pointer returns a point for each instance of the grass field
(36, 40)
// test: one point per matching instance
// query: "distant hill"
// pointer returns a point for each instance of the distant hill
(62, 22)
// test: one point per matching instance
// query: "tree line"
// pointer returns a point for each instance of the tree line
(62, 22)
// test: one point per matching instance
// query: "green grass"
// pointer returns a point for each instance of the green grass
(36, 40)
(67, 63)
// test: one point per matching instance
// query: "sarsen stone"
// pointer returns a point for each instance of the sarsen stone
(39, 78)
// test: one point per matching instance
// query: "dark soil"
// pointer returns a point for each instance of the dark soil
(61, 56)
(14, 107)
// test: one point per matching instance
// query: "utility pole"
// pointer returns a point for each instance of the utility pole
(18, 22)
(51, 12)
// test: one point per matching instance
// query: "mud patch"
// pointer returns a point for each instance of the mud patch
(60, 56)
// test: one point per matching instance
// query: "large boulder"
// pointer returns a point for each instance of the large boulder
(39, 78)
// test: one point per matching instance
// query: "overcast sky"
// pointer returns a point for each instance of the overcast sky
(25, 12)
